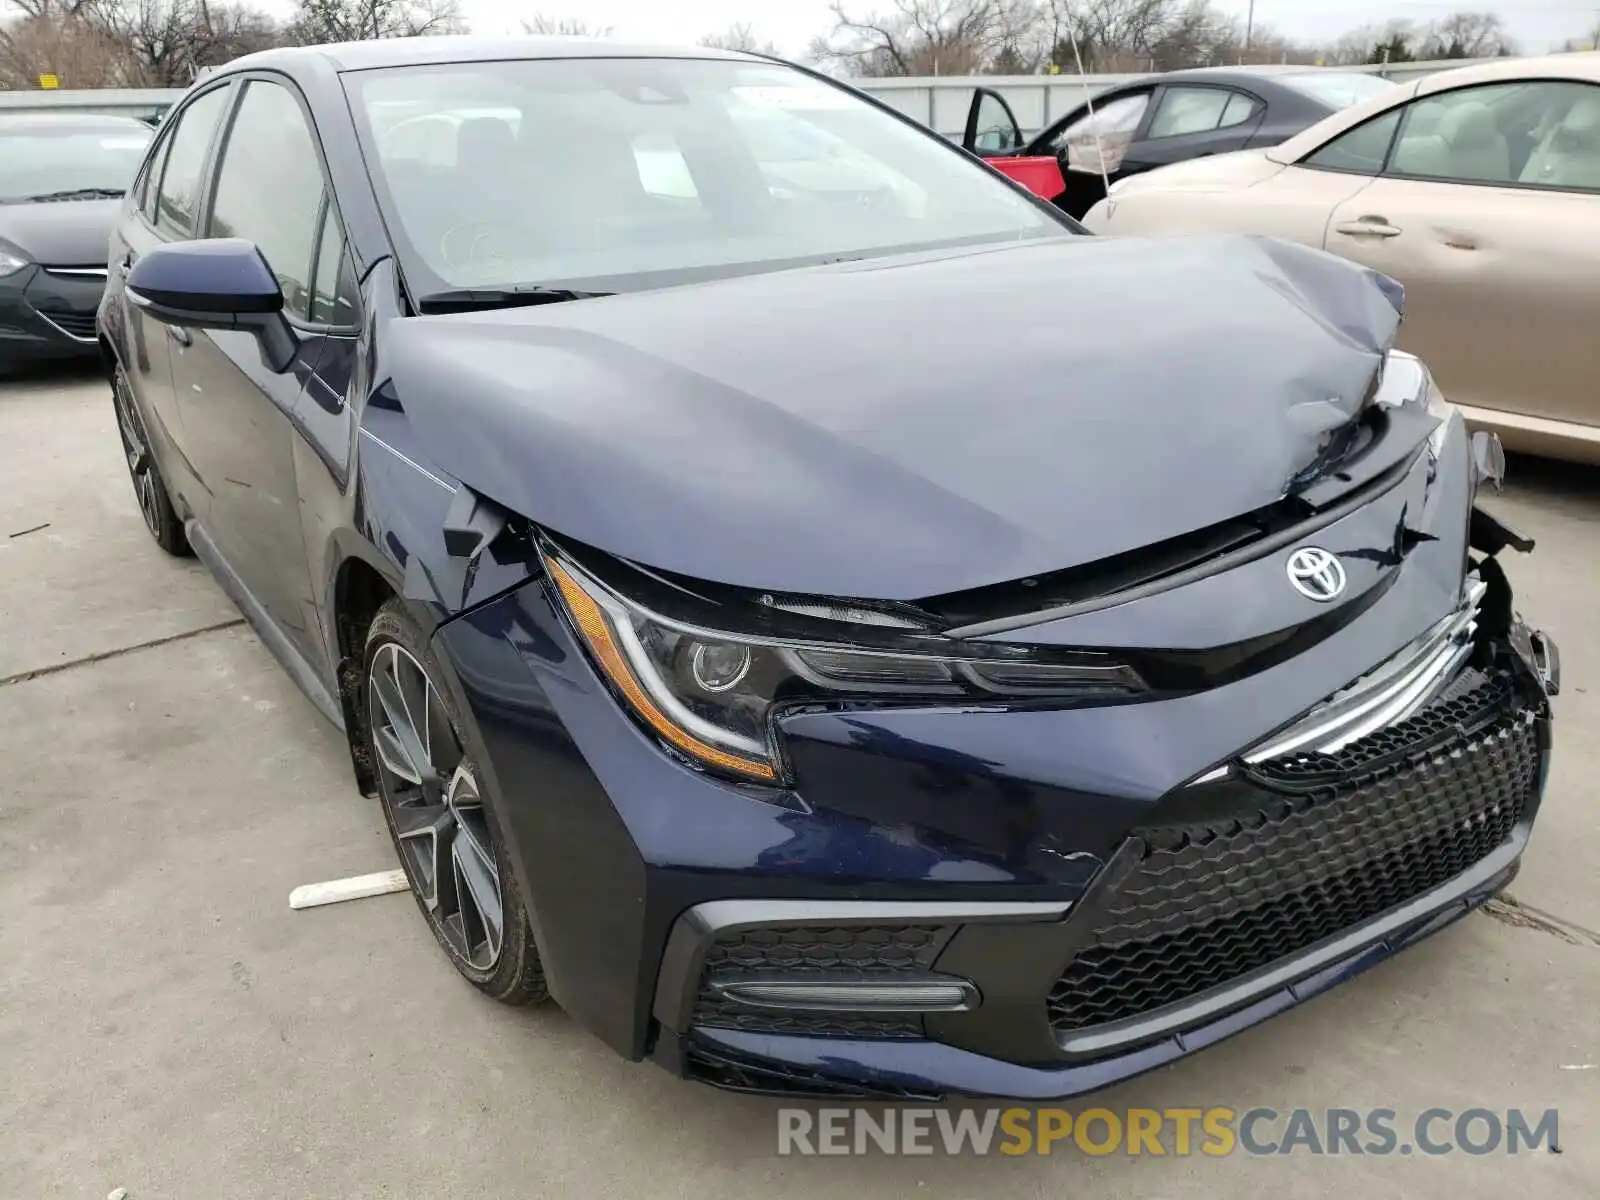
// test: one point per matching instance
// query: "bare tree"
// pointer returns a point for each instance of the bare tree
(545, 25)
(131, 43)
(1589, 41)
(1196, 35)
(51, 9)
(68, 47)
(1111, 35)
(921, 37)
(166, 43)
(1366, 43)
(359, 20)
(739, 36)
(1467, 35)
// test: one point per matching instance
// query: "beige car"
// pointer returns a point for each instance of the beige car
(1479, 190)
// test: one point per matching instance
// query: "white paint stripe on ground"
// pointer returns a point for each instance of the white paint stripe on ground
(357, 887)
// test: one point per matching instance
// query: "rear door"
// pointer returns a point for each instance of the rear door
(1192, 121)
(268, 189)
(1488, 211)
(163, 209)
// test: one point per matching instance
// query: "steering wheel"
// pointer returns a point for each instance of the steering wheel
(473, 243)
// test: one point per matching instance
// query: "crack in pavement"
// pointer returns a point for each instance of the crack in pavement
(102, 656)
(1508, 910)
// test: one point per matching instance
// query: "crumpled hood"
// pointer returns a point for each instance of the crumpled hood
(63, 233)
(906, 427)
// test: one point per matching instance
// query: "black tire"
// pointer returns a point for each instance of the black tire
(515, 975)
(149, 485)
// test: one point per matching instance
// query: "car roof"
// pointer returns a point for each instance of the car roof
(36, 122)
(422, 51)
(1580, 64)
(1583, 65)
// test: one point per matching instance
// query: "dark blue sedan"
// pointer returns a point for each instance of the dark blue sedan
(778, 621)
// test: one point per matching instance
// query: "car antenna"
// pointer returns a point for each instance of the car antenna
(1088, 95)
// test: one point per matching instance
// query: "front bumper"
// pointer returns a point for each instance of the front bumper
(1116, 884)
(778, 1064)
(1236, 900)
(49, 313)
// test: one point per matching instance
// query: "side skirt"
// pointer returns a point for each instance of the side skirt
(296, 664)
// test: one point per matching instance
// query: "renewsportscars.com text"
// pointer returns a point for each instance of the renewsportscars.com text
(1178, 1132)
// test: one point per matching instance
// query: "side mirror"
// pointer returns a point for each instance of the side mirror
(215, 283)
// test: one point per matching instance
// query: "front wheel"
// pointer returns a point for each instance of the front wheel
(439, 816)
(149, 487)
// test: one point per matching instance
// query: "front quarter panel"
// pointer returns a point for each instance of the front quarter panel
(1293, 203)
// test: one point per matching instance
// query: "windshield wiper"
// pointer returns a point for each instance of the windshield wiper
(74, 194)
(472, 299)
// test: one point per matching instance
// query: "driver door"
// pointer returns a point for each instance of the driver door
(1092, 144)
(239, 414)
(993, 134)
(992, 130)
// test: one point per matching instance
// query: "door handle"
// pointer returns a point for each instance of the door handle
(1369, 227)
(180, 335)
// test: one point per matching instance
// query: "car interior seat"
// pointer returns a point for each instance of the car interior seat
(1569, 154)
(1473, 144)
(1421, 150)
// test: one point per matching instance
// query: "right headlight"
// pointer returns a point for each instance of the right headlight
(12, 259)
(712, 695)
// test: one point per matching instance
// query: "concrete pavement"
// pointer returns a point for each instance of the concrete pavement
(168, 1025)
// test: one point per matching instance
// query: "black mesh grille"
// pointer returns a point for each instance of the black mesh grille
(1316, 845)
(77, 324)
(823, 952)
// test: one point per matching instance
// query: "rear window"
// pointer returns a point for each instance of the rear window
(1337, 89)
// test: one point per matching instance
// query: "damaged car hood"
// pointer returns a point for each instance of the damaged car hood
(905, 427)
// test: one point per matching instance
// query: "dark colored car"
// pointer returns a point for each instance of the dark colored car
(1162, 119)
(769, 630)
(62, 177)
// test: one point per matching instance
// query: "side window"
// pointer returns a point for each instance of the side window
(1185, 110)
(1543, 134)
(178, 198)
(995, 130)
(333, 285)
(152, 179)
(1108, 132)
(270, 188)
(1361, 150)
(1240, 109)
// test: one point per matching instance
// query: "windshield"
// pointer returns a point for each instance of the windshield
(1337, 89)
(618, 174)
(40, 161)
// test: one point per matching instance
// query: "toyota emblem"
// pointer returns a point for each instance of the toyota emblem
(1316, 574)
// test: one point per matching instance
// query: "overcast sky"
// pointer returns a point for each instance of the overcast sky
(793, 23)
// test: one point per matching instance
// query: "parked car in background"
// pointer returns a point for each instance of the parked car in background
(768, 629)
(62, 177)
(1479, 190)
(1163, 119)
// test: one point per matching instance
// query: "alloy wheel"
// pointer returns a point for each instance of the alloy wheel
(141, 467)
(435, 808)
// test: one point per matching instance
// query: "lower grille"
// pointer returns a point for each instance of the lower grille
(75, 324)
(843, 952)
(776, 1079)
(1305, 848)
